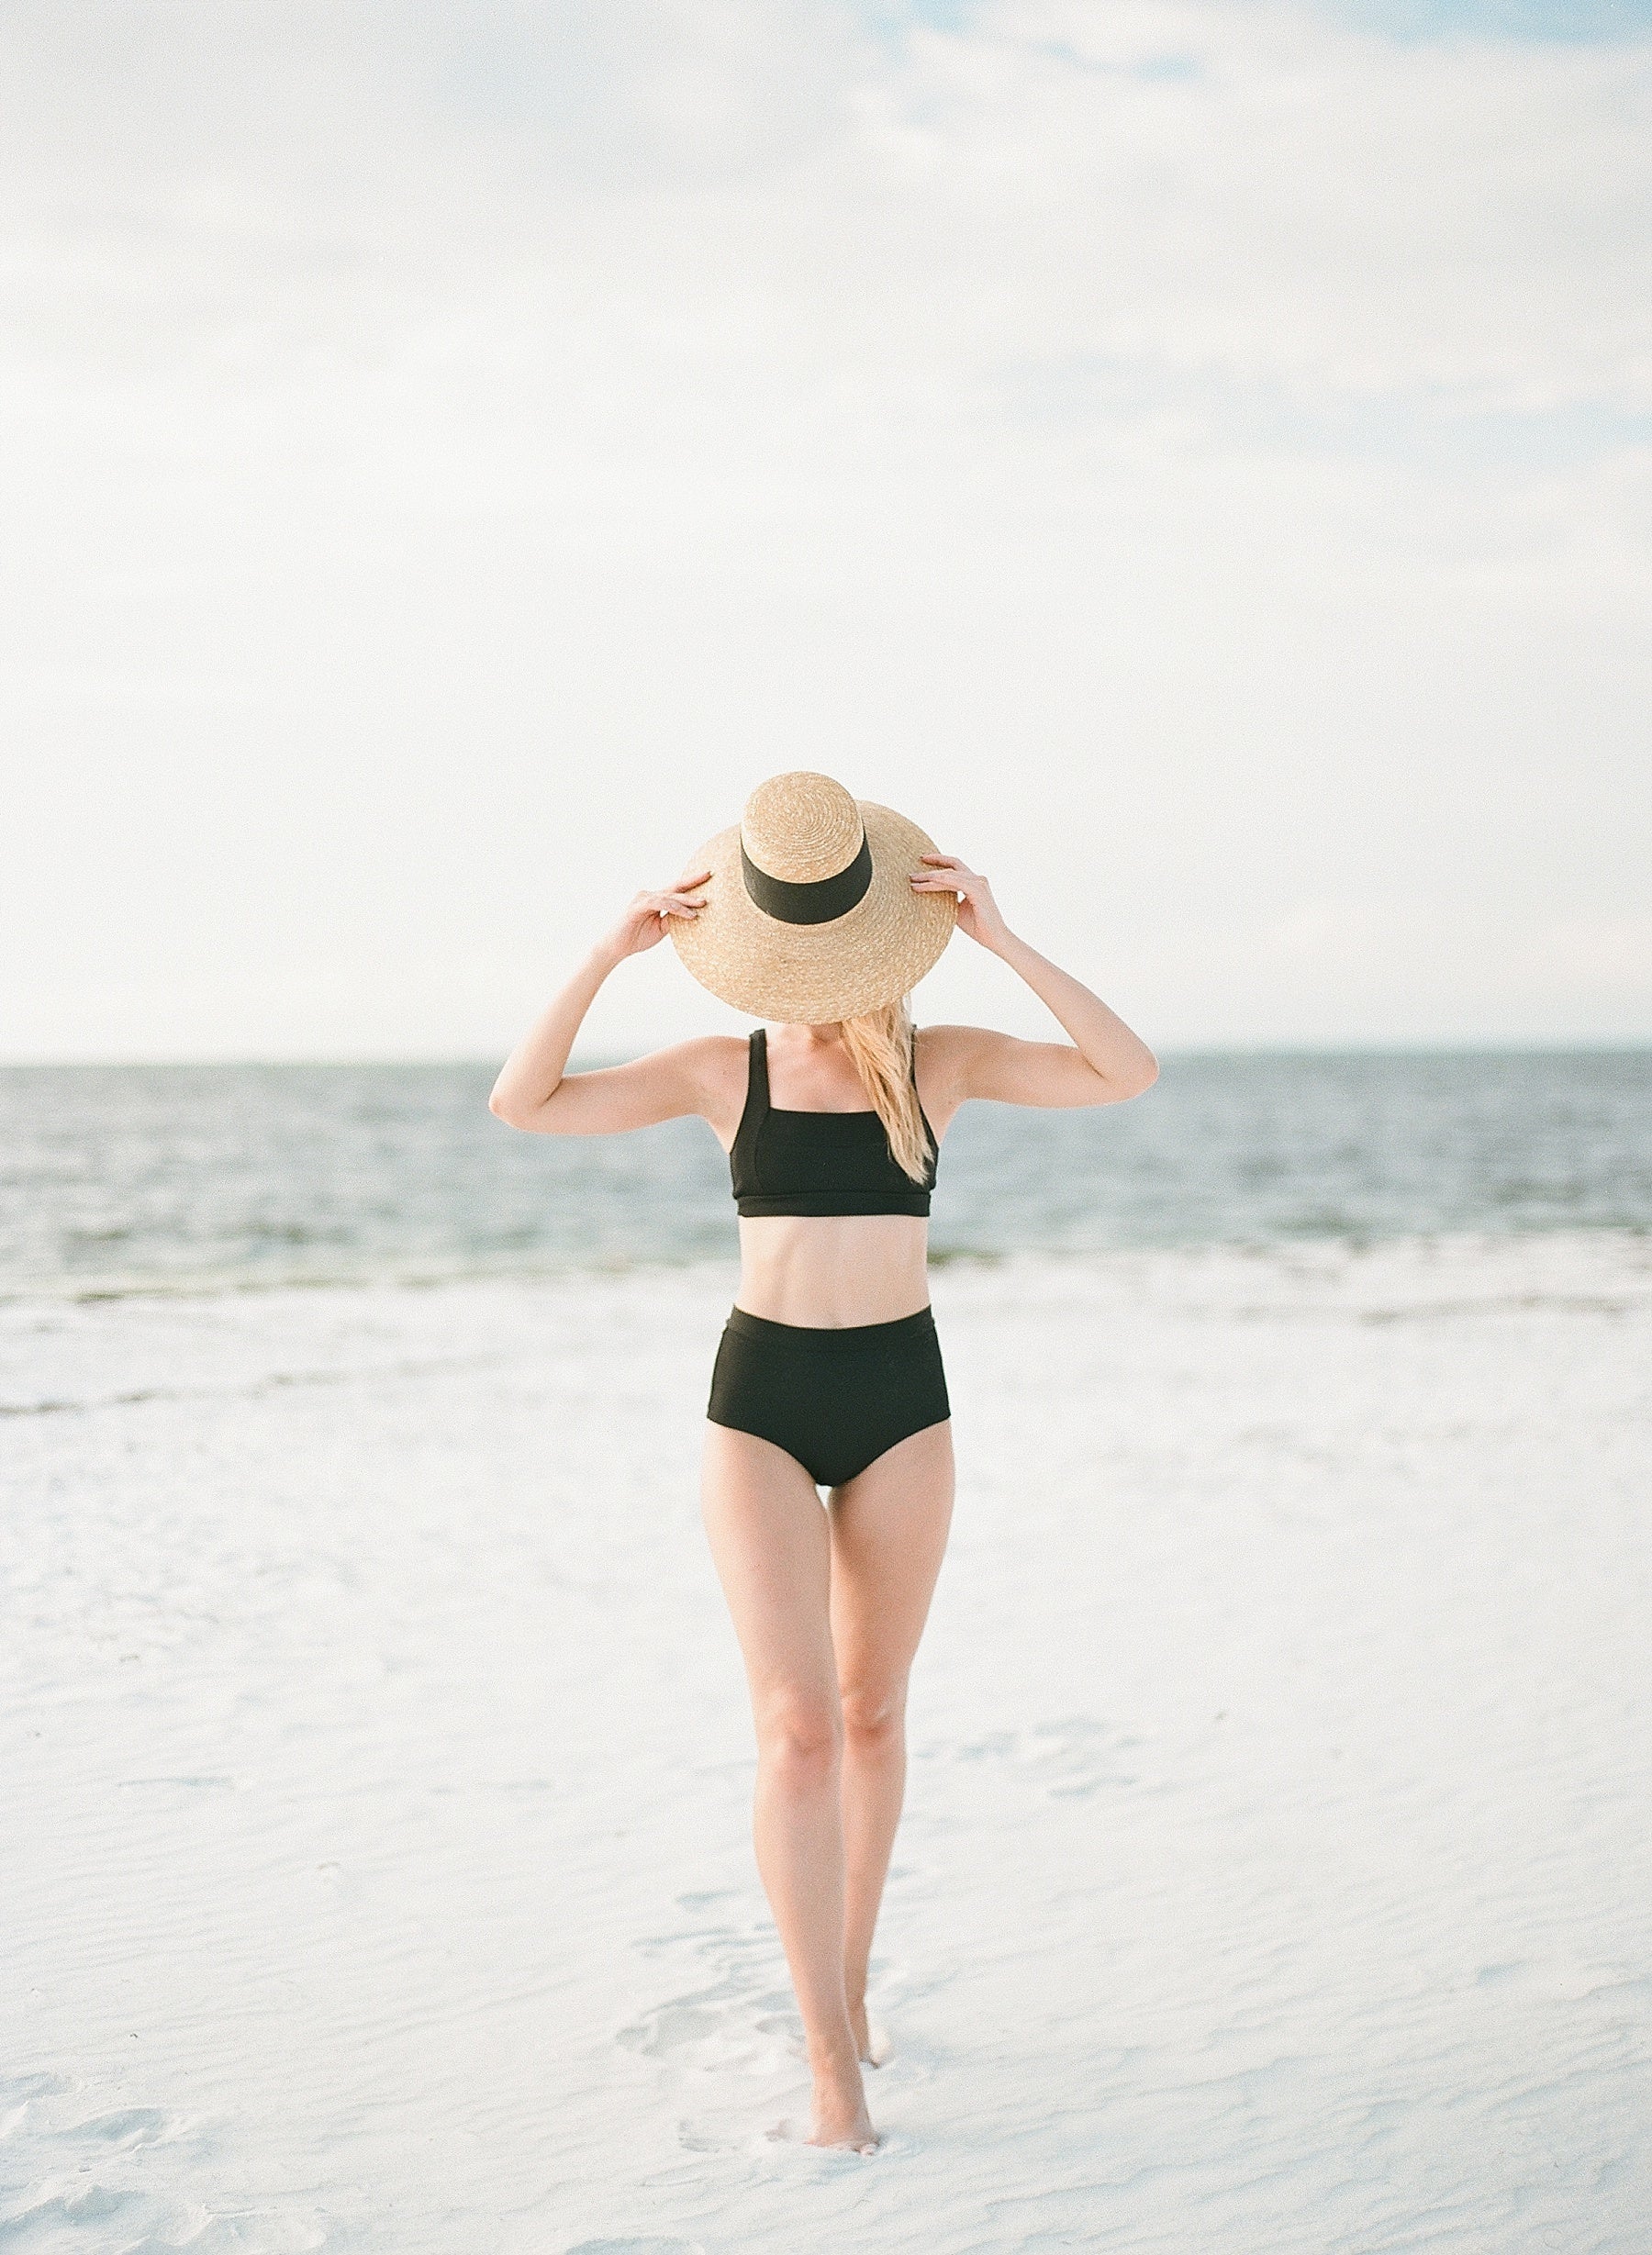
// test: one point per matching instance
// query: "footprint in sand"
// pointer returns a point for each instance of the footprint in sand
(18, 2094)
(727, 2042)
(39, 2221)
(126, 2128)
(736, 2008)
(78, 2174)
(730, 2046)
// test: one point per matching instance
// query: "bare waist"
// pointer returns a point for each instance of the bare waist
(834, 1271)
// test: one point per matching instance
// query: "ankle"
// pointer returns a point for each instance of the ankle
(836, 2057)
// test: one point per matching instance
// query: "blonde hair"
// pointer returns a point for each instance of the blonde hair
(880, 1047)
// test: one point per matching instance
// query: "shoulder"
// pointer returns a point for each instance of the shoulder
(694, 1076)
(714, 1049)
(715, 1066)
(714, 1061)
(945, 1053)
(946, 1062)
(954, 1041)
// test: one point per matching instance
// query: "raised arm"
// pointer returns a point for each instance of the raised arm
(1106, 1062)
(533, 1090)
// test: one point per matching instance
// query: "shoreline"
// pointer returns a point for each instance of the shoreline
(1609, 1242)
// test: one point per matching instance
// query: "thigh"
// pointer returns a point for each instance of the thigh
(889, 1535)
(772, 1549)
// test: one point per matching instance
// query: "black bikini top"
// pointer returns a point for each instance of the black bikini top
(819, 1162)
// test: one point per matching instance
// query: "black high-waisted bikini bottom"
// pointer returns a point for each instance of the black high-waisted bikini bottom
(834, 1400)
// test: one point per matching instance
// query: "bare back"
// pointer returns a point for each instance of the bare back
(828, 1271)
(824, 1271)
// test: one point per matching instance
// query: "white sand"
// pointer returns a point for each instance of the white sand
(1278, 1869)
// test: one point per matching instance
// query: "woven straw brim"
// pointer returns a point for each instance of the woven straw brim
(814, 974)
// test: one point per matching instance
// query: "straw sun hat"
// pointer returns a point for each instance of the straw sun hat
(810, 913)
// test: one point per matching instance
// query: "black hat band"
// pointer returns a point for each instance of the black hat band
(819, 903)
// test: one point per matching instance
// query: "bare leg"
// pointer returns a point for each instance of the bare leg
(773, 1552)
(889, 1534)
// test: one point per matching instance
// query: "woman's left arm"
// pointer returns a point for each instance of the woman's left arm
(1107, 1062)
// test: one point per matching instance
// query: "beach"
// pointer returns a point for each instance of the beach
(1190, 466)
(1276, 1868)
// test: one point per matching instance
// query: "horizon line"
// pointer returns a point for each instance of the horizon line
(1453, 1046)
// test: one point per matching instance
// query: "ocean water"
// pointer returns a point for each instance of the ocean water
(133, 1177)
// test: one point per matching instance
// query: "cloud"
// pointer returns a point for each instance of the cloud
(1249, 193)
(436, 431)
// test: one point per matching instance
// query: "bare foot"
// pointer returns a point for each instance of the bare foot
(874, 2046)
(838, 2116)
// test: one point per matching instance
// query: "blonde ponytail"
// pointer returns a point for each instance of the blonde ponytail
(880, 1046)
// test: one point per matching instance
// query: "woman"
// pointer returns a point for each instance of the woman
(821, 914)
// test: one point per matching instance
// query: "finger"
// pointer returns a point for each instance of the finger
(700, 876)
(942, 860)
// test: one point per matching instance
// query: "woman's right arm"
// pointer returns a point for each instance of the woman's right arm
(535, 1092)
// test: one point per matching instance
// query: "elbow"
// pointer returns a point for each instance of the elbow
(1118, 1088)
(1146, 1073)
(530, 1118)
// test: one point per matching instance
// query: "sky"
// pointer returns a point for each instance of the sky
(1196, 459)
